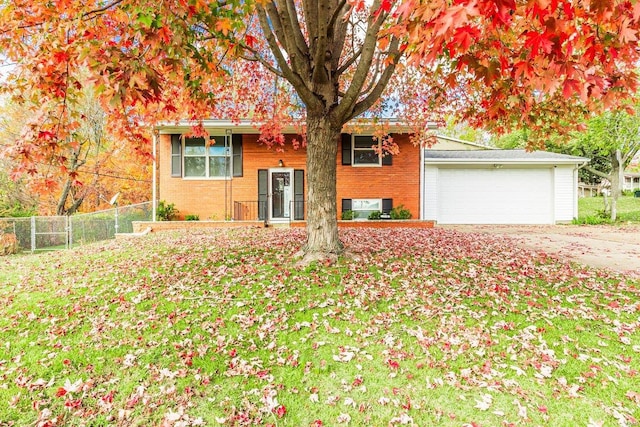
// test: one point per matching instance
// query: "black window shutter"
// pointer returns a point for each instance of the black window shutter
(298, 194)
(387, 205)
(346, 205)
(236, 141)
(346, 148)
(176, 156)
(387, 160)
(263, 189)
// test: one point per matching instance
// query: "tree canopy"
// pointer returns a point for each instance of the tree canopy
(498, 63)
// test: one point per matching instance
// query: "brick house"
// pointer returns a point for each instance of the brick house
(453, 182)
(238, 178)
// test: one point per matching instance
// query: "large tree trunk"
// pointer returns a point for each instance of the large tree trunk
(323, 242)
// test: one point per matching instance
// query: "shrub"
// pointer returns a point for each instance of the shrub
(375, 215)
(400, 212)
(166, 211)
(8, 244)
(192, 217)
(348, 215)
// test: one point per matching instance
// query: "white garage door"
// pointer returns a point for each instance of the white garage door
(495, 196)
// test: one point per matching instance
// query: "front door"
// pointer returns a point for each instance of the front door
(281, 192)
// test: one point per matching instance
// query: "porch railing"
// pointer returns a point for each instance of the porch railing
(250, 210)
(254, 210)
(297, 208)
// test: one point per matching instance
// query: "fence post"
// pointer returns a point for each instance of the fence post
(69, 238)
(33, 234)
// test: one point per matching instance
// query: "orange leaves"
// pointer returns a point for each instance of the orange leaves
(455, 16)
(628, 31)
(223, 25)
(556, 57)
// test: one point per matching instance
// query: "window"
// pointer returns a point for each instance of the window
(214, 161)
(363, 207)
(363, 152)
(176, 156)
(357, 151)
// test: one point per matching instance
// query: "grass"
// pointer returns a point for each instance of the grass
(428, 327)
(590, 210)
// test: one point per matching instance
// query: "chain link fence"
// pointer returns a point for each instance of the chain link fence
(40, 233)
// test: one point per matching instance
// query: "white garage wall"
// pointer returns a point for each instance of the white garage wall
(513, 194)
(565, 196)
(430, 197)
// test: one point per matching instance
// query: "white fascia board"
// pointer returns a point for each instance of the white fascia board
(523, 162)
(249, 127)
(243, 126)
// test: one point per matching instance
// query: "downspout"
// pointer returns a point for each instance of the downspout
(154, 185)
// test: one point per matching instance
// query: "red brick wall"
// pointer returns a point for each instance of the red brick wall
(399, 181)
(206, 197)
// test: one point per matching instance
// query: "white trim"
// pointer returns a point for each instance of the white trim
(228, 145)
(270, 217)
(250, 127)
(354, 210)
(502, 161)
(154, 188)
(353, 152)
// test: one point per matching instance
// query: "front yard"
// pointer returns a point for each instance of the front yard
(421, 327)
(590, 210)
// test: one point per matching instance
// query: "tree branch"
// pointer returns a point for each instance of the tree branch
(597, 172)
(305, 93)
(349, 62)
(345, 109)
(89, 15)
(261, 60)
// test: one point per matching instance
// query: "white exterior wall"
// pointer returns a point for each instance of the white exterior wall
(430, 197)
(530, 188)
(565, 193)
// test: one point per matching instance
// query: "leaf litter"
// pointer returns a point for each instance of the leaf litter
(422, 327)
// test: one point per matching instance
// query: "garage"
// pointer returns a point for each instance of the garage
(500, 187)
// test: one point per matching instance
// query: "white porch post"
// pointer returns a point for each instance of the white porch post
(154, 184)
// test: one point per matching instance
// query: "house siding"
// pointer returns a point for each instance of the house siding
(431, 192)
(564, 193)
(206, 197)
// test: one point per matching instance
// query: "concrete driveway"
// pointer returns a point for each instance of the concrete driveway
(613, 247)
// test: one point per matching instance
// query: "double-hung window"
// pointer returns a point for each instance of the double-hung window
(363, 152)
(213, 160)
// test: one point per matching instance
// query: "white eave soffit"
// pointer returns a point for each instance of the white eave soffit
(248, 127)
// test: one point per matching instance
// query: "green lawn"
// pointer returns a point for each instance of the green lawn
(590, 210)
(419, 327)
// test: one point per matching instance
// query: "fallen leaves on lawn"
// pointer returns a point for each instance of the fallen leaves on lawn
(422, 327)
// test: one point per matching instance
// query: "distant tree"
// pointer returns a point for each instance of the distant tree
(612, 139)
(517, 139)
(15, 198)
(94, 164)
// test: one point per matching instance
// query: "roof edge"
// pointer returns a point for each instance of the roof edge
(250, 127)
